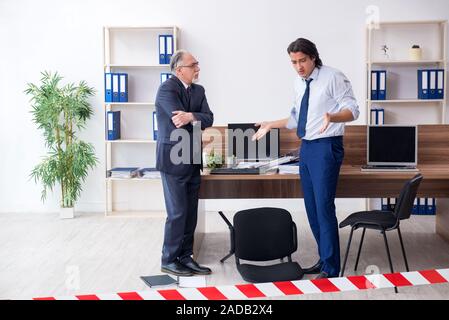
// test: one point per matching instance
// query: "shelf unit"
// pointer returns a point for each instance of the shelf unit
(133, 50)
(399, 36)
(402, 105)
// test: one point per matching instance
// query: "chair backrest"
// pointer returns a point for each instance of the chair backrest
(263, 234)
(406, 198)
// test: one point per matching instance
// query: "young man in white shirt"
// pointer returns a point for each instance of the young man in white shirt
(324, 101)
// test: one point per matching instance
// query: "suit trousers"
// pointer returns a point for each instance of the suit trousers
(320, 162)
(181, 202)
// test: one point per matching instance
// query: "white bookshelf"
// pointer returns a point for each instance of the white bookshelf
(402, 105)
(134, 50)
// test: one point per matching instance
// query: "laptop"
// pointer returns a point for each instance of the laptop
(391, 148)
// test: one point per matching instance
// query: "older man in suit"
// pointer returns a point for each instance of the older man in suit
(181, 105)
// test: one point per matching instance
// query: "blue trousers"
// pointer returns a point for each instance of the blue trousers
(320, 162)
(181, 203)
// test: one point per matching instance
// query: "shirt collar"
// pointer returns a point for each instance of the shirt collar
(313, 75)
(185, 85)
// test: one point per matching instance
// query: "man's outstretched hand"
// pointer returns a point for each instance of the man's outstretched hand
(263, 130)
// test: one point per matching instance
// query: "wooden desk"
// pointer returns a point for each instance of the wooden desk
(433, 156)
(352, 183)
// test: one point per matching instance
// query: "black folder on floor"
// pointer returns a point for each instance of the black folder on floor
(160, 280)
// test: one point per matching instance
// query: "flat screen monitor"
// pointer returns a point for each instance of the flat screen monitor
(392, 145)
(241, 146)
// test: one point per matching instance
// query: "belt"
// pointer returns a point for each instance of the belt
(319, 140)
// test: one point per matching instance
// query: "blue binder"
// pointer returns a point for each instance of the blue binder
(165, 76)
(382, 85)
(415, 206)
(123, 82)
(392, 204)
(169, 48)
(422, 206)
(115, 87)
(440, 84)
(154, 126)
(373, 116)
(162, 49)
(431, 206)
(418, 206)
(113, 125)
(108, 87)
(380, 116)
(374, 92)
(377, 116)
(384, 204)
(423, 84)
(433, 84)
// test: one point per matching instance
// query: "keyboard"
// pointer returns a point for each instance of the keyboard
(235, 171)
(376, 168)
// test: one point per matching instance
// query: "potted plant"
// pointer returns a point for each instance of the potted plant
(214, 160)
(61, 111)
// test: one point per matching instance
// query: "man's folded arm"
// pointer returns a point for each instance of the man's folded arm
(205, 115)
(169, 101)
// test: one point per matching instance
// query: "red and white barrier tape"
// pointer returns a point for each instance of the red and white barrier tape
(278, 289)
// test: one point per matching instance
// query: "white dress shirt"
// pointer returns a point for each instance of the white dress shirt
(330, 91)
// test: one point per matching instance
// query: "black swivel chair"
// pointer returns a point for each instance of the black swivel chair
(384, 221)
(264, 234)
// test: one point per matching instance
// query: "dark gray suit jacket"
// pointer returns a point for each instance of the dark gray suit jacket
(172, 96)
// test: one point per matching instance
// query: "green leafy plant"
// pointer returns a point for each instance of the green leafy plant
(214, 160)
(61, 111)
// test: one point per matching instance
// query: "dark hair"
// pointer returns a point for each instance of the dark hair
(307, 47)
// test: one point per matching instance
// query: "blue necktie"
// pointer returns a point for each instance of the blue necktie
(302, 121)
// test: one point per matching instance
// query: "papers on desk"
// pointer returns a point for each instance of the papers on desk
(289, 168)
(267, 165)
(250, 164)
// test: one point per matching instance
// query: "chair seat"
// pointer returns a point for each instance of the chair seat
(374, 219)
(286, 271)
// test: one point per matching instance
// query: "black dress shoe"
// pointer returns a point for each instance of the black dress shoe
(177, 269)
(314, 269)
(195, 267)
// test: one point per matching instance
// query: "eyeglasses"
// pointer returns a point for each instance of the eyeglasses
(193, 65)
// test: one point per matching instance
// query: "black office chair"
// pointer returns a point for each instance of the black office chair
(264, 234)
(383, 221)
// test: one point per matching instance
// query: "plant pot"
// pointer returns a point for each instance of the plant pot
(415, 54)
(67, 213)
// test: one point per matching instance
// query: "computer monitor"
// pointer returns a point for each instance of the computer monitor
(241, 146)
(394, 145)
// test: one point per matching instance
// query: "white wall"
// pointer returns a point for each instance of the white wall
(241, 46)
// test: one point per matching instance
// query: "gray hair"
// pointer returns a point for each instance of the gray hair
(176, 59)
